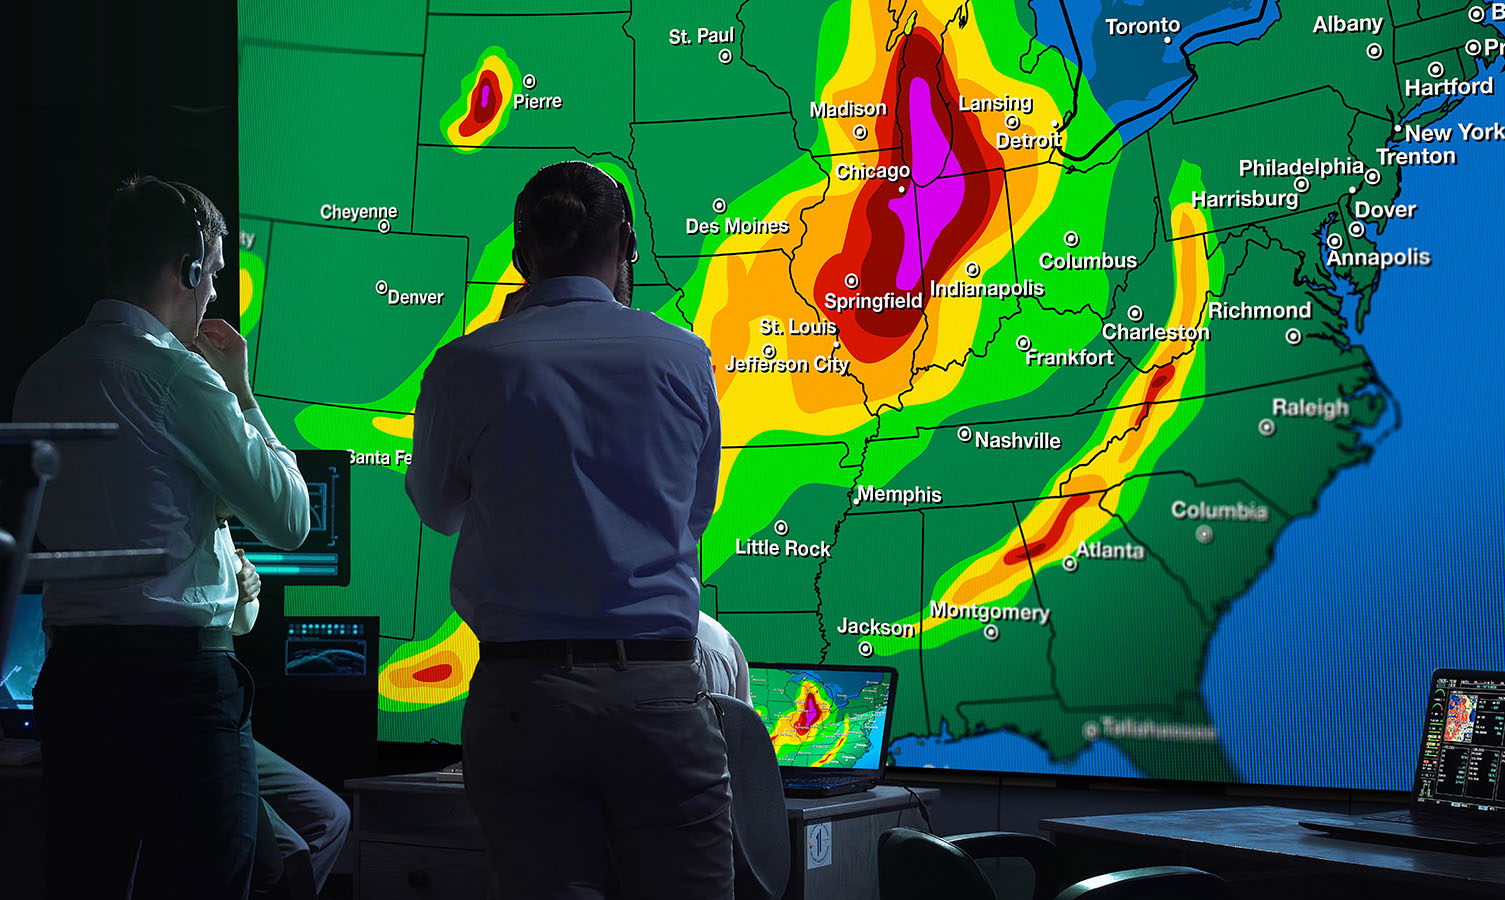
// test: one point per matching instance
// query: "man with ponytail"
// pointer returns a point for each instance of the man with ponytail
(574, 446)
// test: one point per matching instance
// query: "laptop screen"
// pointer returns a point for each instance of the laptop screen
(828, 717)
(1463, 743)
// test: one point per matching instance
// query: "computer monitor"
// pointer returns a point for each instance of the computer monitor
(828, 716)
(324, 558)
(330, 652)
(20, 664)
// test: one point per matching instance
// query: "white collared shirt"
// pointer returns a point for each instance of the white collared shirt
(721, 660)
(184, 446)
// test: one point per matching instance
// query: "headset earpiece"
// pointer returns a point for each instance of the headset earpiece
(632, 235)
(517, 263)
(192, 273)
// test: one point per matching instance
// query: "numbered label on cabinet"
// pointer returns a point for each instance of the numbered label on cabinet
(817, 845)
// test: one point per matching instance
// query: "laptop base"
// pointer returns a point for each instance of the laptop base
(827, 789)
(1423, 836)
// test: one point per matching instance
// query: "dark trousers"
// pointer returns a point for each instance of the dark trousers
(301, 830)
(149, 774)
(589, 774)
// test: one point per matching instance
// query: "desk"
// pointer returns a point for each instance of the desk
(1264, 844)
(22, 843)
(835, 840)
(416, 837)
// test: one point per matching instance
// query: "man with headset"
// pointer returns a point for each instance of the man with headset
(149, 778)
(575, 447)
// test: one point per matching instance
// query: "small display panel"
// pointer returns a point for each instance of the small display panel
(331, 652)
(1463, 747)
(324, 558)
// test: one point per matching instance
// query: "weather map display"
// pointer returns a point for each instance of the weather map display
(1462, 762)
(827, 718)
(1083, 360)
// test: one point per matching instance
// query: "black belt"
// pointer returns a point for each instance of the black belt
(142, 638)
(591, 651)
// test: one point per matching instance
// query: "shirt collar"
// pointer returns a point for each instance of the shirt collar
(565, 288)
(136, 316)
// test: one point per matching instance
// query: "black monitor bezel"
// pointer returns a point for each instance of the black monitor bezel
(888, 720)
(1441, 808)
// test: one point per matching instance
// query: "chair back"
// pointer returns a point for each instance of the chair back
(760, 825)
(913, 865)
(1152, 883)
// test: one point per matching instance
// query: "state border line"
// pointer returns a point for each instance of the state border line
(658, 255)
(920, 649)
(1014, 501)
(445, 145)
(418, 125)
(635, 284)
(385, 412)
(459, 237)
(859, 153)
(321, 48)
(1109, 409)
(1336, 204)
(840, 444)
(1247, 106)
(1446, 51)
(523, 15)
(1441, 15)
(1034, 582)
(1003, 169)
(1086, 412)
(266, 265)
(757, 115)
(843, 445)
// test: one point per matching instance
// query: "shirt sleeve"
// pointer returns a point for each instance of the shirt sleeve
(709, 470)
(742, 681)
(237, 456)
(438, 481)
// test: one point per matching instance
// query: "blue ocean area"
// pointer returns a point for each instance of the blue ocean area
(1399, 571)
(1006, 751)
(1122, 69)
(1316, 675)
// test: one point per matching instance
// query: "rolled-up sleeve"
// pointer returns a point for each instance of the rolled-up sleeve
(237, 457)
(437, 481)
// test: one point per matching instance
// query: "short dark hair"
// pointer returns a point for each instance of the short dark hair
(567, 217)
(152, 223)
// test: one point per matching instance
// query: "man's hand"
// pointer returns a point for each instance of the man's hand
(247, 582)
(225, 350)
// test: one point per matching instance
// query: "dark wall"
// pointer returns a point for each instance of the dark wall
(95, 92)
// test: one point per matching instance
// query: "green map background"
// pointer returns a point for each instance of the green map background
(343, 105)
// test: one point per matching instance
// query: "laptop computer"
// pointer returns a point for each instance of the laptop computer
(1458, 799)
(829, 724)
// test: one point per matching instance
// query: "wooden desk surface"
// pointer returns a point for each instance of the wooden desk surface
(1271, 835)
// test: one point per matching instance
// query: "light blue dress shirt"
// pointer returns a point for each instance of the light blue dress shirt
(575, 447)
(184, 448)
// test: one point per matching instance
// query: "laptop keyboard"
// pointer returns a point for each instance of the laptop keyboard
(820, 780)
(1431, 825)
